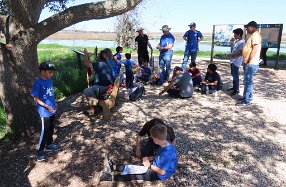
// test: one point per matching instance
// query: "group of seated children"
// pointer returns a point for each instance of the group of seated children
(159, 156)
(182, 83)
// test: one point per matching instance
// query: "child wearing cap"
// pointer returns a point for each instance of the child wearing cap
(181, 86)
(44, 97)
(192, 37)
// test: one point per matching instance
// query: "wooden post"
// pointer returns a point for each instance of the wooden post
(212, 49)
(278, 49)
(79, 60)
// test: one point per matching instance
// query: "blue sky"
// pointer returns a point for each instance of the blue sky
(178, 14)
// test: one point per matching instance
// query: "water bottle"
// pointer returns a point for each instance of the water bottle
(216, 95)
(207, 90)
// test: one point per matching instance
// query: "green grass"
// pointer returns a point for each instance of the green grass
(3, 126)
(68, 79)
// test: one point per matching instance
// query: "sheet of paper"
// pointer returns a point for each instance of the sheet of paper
(134, 169)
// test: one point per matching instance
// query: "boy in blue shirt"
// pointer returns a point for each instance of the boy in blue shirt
(192, 37)
(117, 59)
(43, 94)
(157, 79)
(146, 72)
(129, 63)
(160, 167)
(166, 53)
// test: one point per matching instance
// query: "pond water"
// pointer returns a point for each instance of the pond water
(179, 45)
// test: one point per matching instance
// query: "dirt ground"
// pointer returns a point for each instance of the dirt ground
(218, 143)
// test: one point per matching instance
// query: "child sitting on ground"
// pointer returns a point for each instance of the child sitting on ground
(146, 72)
(157, 79)
(129, 76)
(196, 74)
(160, 167)
(212, 80)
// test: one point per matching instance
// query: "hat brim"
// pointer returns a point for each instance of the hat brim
(165, 29)
(139, 30)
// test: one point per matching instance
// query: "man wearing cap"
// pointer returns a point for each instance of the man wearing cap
(142, 41)
(192, 37)
(251, 56)
(166, 53)
(181, 86)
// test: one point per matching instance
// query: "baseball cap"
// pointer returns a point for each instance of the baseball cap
(178, 68)
(251, 24)
(192, 24)
(47, 65)
(165, 28)
(139, 29)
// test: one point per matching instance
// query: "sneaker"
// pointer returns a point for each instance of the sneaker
(107, 164)
(52, 148)
(123, 85)
(234, 93)
(243, 102)
(104, 176)
(41, 156)
(230, 89)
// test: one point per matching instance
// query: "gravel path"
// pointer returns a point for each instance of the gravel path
(218, 143)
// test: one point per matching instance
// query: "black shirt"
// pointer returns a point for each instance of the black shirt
(147, 127)
(211, 78)
(142, 43)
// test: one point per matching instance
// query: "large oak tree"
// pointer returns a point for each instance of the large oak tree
(19, 64)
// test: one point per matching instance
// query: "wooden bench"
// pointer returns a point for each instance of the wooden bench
(107, 104)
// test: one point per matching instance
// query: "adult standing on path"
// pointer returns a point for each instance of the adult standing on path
(142, 41)
(251, 55)
(192, 37)
(166, 53)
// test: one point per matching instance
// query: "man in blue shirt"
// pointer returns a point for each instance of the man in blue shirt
(165, 47)
(192, 37)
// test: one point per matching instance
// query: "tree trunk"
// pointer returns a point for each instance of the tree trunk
(18, 70)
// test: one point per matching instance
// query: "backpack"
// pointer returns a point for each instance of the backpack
(137, 92)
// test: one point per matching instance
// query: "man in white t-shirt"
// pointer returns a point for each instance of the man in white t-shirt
(237, 45)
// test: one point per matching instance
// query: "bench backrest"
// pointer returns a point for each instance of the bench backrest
(115, 87)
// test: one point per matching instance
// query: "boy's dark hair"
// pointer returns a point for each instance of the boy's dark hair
(193, 64)
(128, 55)
(159, 131)
(238, 31)
(212, 67)
(102, 55)
(119, 49)
(155, 121)
(47, 65)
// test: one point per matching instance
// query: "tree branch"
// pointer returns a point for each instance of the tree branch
(84, 12)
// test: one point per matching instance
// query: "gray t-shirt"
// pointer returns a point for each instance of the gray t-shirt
(185, 84)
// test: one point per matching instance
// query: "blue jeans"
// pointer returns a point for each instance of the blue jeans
(187, 55)
(165, 64)
(249, 71)
(235, 77)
